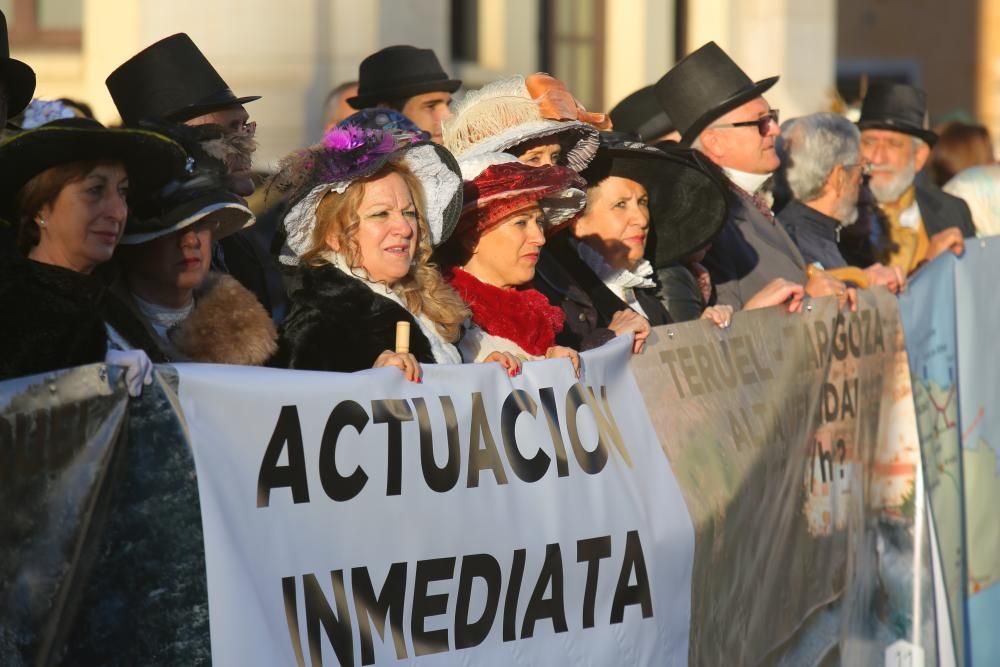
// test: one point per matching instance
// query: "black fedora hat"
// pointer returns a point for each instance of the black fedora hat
(703, 86)
(897, 107)
(687, 198)
(641, 115)
(151, 159)
(399, 72)
(169, 80)
(17, 78)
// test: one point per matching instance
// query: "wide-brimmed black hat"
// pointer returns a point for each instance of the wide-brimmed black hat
(687, 198)
(194, 195)
(17, 78)
(151, 160)
(399, 72)
(897, 107)
(229, 212)
(641, 115)
(169, 80)
(703, 86)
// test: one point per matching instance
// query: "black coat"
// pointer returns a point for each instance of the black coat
(336, 323)
(750, 251)
(940, 210)
(52, 318)
(589, 305)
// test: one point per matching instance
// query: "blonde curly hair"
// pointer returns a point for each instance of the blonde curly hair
(423, 290)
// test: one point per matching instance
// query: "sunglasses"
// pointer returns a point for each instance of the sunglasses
(763, 124)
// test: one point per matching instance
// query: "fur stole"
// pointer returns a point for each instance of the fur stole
(336, 323)
(227, 326)
(521, 315)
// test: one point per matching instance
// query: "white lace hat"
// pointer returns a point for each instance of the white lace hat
(348, 154)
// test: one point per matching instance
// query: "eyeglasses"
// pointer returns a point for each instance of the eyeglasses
(763, 124)
(866, 168)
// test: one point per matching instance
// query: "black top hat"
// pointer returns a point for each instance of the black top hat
(151, 159)
(169, 80)
(897, 107)
(641, 115)
(687, 199)
(17, 78)
(400, 72)
(703, 86)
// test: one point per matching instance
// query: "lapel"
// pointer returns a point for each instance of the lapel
(930, 211)
(753, 223)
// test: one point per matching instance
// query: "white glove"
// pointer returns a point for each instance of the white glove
(137, 365)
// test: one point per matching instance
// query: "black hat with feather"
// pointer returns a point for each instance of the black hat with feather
(200, 196)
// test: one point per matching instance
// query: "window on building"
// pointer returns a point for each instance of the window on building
(43, 23)
(572, 49)
(465, 30)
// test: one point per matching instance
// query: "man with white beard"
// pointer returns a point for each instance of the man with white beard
(821, 162)
(896, 141)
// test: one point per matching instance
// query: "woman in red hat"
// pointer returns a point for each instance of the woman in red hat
(490, 259)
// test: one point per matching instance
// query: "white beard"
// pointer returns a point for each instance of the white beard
(887, 193)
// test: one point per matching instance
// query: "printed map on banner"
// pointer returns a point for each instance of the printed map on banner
(955, 361)
(976, 282)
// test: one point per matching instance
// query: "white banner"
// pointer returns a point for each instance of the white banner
(469, 519)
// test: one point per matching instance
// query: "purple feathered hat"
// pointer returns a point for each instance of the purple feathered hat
(349, 152)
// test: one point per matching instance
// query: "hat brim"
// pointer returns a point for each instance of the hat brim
(687, 205)
(928, 136)
(230, 214)
(373, 98)
(584, 140)
(151, 160)
(439, 174)
(185, 114)
(19, 81)
(741, 97)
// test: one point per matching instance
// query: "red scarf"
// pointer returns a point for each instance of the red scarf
(521, 315)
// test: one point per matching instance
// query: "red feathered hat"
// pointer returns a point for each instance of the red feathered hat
(505, 186)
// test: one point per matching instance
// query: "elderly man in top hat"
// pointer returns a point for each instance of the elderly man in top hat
(895, 139)
(822, 166)
(17, 80)
(720, 111)
(172, 81)
(409, 80)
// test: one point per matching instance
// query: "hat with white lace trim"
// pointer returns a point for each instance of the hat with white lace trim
(348, 153)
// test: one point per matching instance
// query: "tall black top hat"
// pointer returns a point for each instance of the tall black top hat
(640, 114)
(400, 71)
(897, 107)
(17, 78)
(169, 80)
(703, 86)
(687, 199)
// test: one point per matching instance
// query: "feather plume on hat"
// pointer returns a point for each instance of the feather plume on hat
(502, 114)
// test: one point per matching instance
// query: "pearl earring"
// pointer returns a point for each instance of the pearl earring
(41, 222)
